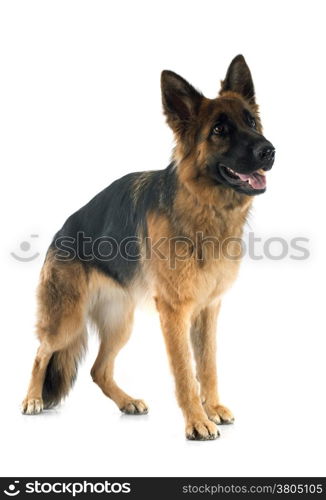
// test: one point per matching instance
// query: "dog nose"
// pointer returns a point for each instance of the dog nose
(266, 153)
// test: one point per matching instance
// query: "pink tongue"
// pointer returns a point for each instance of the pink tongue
(244, 177)
(257, 181)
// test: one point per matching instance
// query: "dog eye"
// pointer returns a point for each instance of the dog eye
(219, 129)
(252, 121)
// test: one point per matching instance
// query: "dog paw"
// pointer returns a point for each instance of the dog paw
(32, 406)
(219, 414)
(201, 430)
(135, 407)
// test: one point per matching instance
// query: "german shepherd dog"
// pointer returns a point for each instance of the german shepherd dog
(117, 248)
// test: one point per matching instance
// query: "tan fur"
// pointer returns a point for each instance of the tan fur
(61, 327)
(67, 297)
(140, 183)
(111, 310)
(203, 339)
(33, 403)
(187, 279)
(187, 290)
(190, 281)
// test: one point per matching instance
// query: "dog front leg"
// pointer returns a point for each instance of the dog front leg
(175, 321)
(203, 337)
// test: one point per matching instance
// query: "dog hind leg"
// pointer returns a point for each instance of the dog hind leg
(62, 297)
(114, 322)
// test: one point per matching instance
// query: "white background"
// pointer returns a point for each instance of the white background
(80, 106)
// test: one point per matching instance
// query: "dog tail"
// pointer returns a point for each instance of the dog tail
(61, 371)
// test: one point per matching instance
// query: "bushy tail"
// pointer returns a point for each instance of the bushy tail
(61, 371)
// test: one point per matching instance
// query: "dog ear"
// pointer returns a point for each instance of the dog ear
(180, 100)
(238, 79)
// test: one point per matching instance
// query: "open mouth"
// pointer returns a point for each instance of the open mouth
(256, 181)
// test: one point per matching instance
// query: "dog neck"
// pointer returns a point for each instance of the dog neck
(206, 191)
(202, 205)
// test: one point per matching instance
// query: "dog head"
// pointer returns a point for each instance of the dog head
(219, 141)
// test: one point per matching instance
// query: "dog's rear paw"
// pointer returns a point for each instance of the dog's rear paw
(32, 406)
(201, 430)
(135, 407)
(219, 414)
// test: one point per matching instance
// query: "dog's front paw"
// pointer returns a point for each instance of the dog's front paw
(32, 406)
(219, 414)
(201, 430)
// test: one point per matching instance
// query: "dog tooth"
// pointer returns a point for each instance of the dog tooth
(261, 171)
